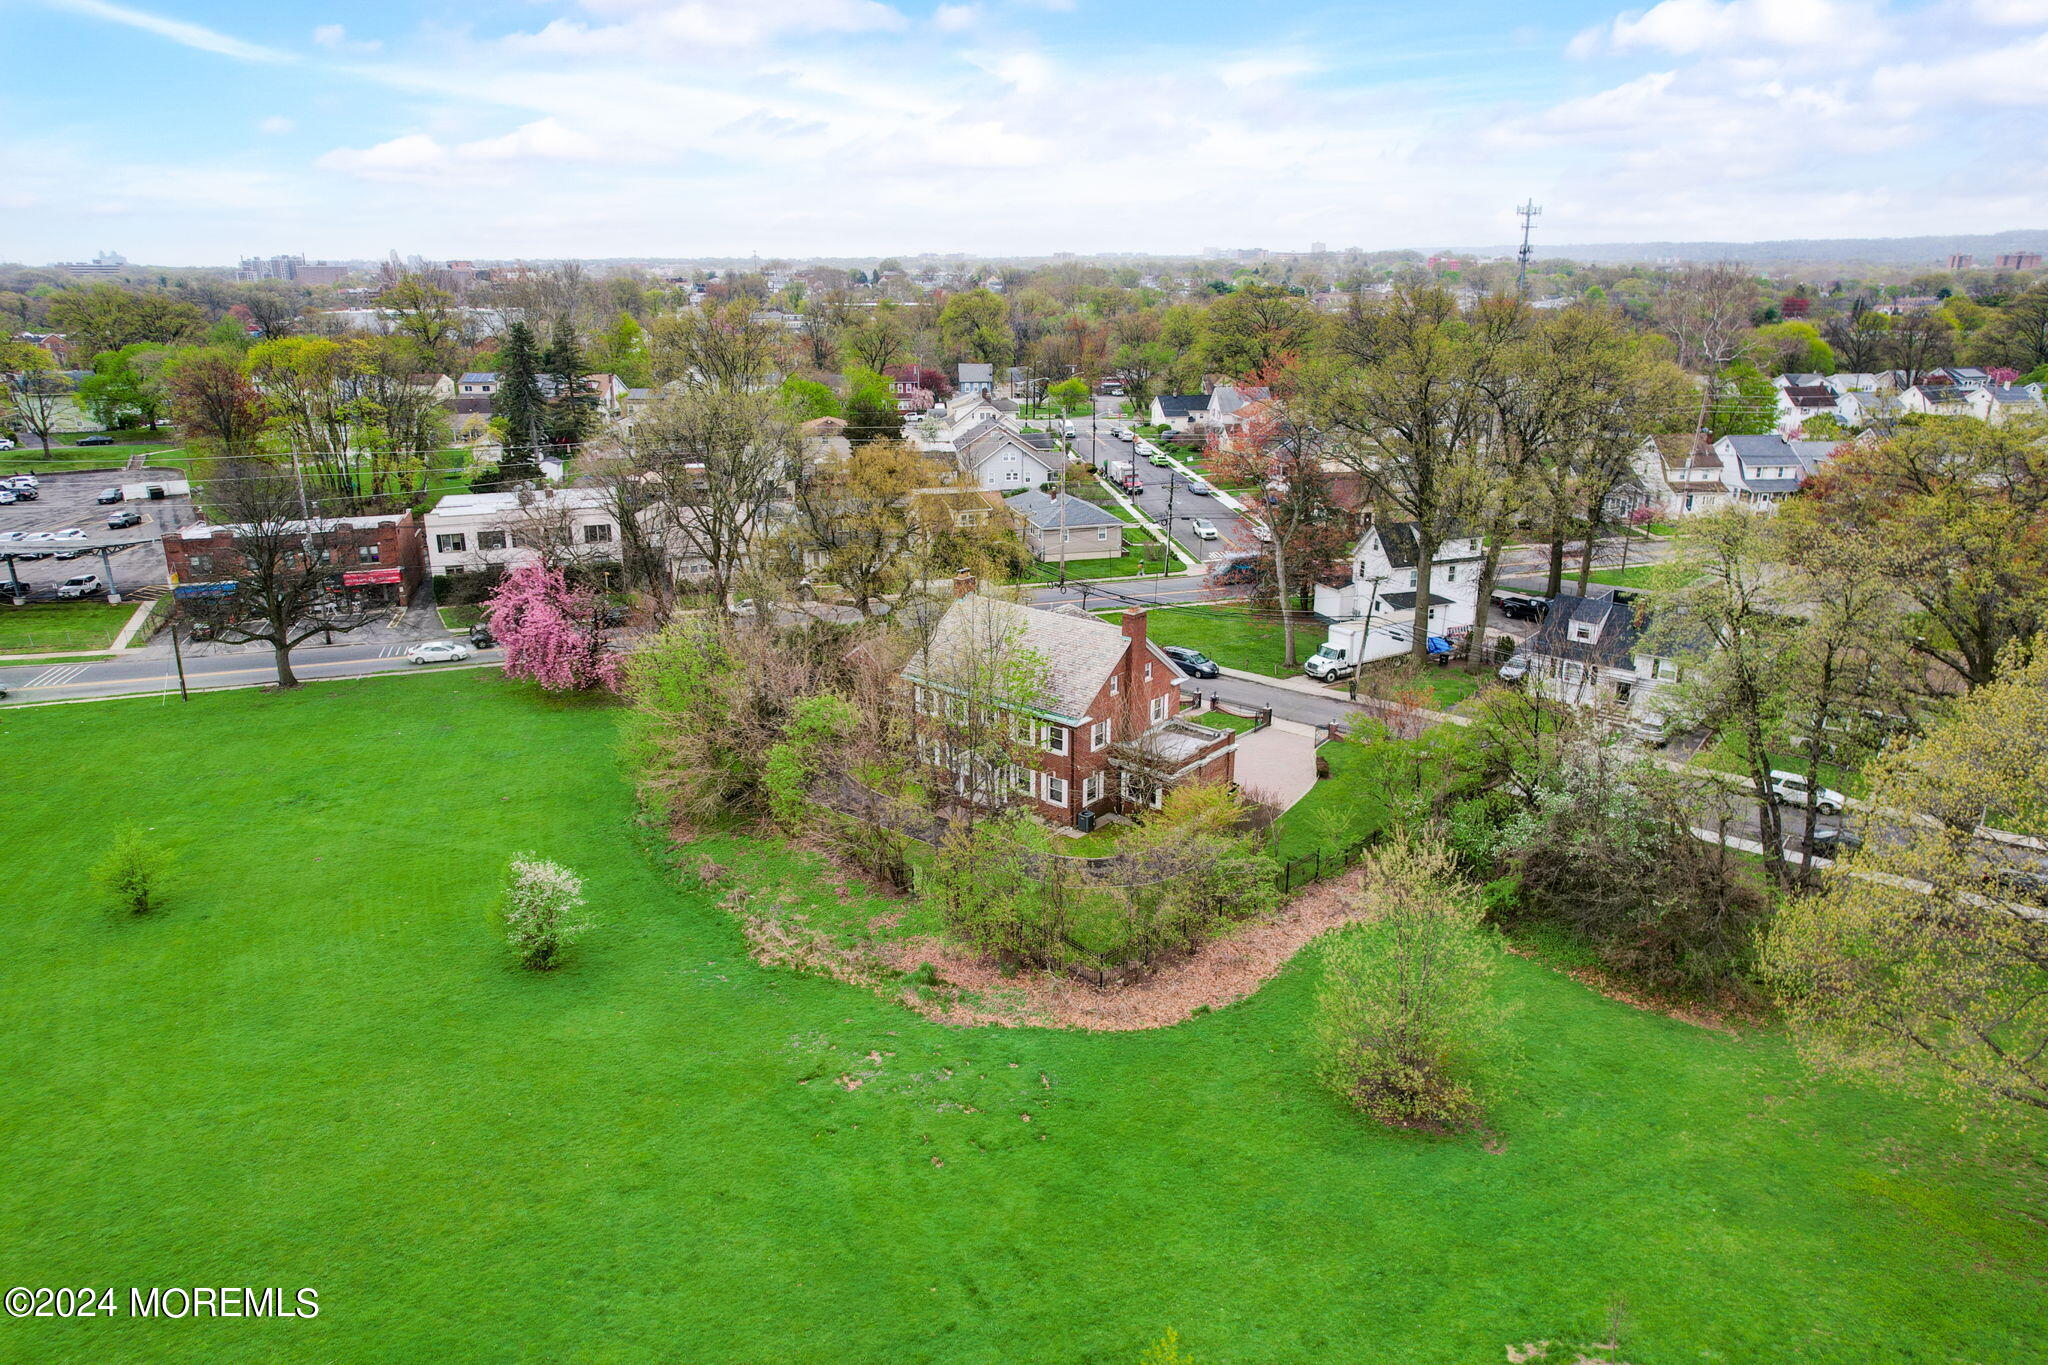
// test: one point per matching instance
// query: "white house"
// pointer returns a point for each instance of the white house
(1373, 615)
(977, 439)
(1937, 400)
(1799, 404)
(2000, 402)
(1178, 410)
(1760, 472)
(1682, 474)
(1589, 653)
(469, 532)
(1227, 402)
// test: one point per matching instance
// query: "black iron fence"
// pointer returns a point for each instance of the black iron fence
(1313, 867)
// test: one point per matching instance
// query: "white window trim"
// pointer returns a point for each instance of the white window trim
(1091, 789)
(1056, 741)
(1158, 709)
(1047, 796)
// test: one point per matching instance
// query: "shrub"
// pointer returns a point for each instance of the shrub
(542, 901)
(1405, 1028)
(133, 871)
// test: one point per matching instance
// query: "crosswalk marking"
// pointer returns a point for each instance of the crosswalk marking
(57, 675)
(393, 652)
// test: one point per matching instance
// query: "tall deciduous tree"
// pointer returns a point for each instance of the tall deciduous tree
(714, 460)
(722, 345)
(106, 317)
(1404, 415)
(1925, 955)
(286, 564)
(1706, 311)
(34, 387)
(212, 398)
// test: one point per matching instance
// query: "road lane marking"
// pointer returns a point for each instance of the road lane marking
(56, 676)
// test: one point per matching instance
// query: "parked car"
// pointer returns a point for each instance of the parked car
(7, 496)
(1200, 489)
(21, 481)
(5, 444)
(40, 537)
(1160, 459)
(1192, 662)
(12, 537)
(1203, 528)
(108, 495)
(121, 521)
(68, 533)
(25, 492)
(1832, 841)
(81, 585)
(1792, 789)
(480, 636)
(438, 652)
(1515, 669)
(1261, 532)
(95, 440)
(1519, 606)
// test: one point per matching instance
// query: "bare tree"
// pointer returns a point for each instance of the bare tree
(718, 346)
(1706, 310)
(286, 565)
(714, 461)
(34, 385)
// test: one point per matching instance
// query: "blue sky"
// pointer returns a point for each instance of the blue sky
(196, 131)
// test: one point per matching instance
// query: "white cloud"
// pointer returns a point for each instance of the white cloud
(956, 18)
(407, 155)
(176, 30)
(334, 37)
(685, 27)
(275, 124)
(1692, 27)
(2011, 13)
(1991, 74)
(1272, 69)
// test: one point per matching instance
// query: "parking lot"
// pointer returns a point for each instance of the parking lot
(134, 557)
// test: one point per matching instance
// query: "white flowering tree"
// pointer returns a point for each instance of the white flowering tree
(543, 910)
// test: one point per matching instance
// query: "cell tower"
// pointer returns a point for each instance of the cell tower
(1528, 213)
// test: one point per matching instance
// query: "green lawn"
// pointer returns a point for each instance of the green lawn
(1225, 720)
(461, 618)
(60, 627)
(315, 1067)
(1236, 637)
(1122, 566)
(1446, 686)
(1634, 576)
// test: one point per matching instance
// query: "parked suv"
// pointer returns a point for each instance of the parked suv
(1792, 789)
(81, 585)
(121, 521)
(108, 495)
(1192, 661)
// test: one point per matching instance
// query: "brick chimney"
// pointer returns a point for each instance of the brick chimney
(1134, 629)
(965, 582)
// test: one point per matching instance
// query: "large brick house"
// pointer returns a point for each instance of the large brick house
(1083, 714)
(379, 558)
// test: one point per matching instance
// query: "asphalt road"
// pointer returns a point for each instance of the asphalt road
(156, 672)
(1166, 495)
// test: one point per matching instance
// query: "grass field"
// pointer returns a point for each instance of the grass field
(61, 627)
(1130, 563)
(1236, 637)
(1634, 576)
(315, 1067)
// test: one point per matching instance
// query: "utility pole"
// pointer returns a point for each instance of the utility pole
(1527, 212)
(1372, 606)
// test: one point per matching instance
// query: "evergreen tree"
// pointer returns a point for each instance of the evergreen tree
(520, 407)
(572, 408)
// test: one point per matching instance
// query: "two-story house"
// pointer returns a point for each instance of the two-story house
(1090, 710)
(472, 532)
(1937, 400)
(973, 377)
(1681, 474)
(1999, 403)
(1060, 527)
(377, 558)
(1760, 472)
(1373, 614)
(1589, 653)
(473, 393)
(976, 438)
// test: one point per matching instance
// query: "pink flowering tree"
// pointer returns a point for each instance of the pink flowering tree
(552, 633)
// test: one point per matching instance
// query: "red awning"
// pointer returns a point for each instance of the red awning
(356, 578)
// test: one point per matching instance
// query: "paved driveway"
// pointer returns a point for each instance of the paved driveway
(1278, 762)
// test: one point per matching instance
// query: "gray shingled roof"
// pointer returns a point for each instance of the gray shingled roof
(1076, 652)
(1405, 601)
(976, 374)
(1046, 512)
(1182, 404)
(1398, 541)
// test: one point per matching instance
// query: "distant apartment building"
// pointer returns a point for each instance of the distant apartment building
(2020, 260)
(1961, 262)
(106, 263)
(294, 268)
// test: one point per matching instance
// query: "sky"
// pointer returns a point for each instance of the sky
(194, 132)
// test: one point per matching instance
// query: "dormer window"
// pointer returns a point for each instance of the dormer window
(1583, 631)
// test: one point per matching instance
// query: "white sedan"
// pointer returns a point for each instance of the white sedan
(438, 652)
(1204, 529)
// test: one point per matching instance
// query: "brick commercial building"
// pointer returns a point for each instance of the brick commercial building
(1096, 730)
(379, 559)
